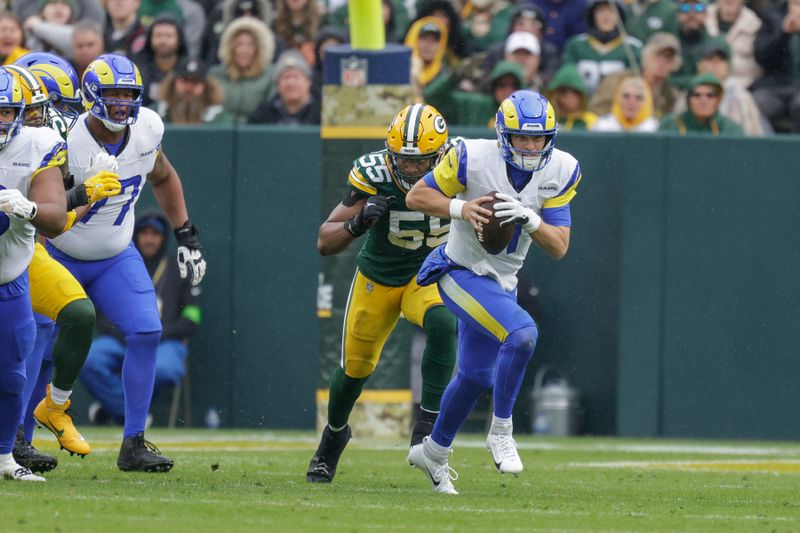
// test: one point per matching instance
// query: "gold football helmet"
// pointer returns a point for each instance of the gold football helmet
(37, 101)
(417, 140)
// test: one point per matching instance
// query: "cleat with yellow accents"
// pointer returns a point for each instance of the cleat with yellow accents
(55, 418)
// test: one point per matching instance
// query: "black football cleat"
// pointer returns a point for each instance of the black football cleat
(139, 455)
(323, 465)
(423, 424)
(29, 457)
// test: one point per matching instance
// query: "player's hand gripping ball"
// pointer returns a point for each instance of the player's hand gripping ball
(494, 236)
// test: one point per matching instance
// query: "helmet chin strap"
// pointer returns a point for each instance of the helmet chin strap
(112, 126)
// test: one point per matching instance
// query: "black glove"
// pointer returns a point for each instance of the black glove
(372, 211)
(186, 236)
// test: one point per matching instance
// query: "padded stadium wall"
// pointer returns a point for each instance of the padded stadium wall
(675, 311)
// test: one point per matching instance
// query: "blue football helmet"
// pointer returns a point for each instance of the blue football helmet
(526, 112)
(111, 71)
(10, 97)
(60, 79)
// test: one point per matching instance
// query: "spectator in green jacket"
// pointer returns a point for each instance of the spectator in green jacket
(703, 100)
(567, 93)
(486, 22)
(475, 109)
(246, 51)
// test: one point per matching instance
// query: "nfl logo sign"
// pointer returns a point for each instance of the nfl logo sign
(354, 71)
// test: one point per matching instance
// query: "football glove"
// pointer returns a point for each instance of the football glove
(370, 213)
(516, 213)
(102, 185)
(102, 162)
(190, 254)
(14, 202)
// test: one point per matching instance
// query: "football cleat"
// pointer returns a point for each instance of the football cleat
(440, 474)
(29, 457)
(16, 472)
(504, 453)
(139, 455)
(59, 422)
(423, 425)
(322, 467)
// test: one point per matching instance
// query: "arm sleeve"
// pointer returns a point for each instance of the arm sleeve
(57, 35)
(56, 157)
(450, 175)
(557, 216)
(359, 183)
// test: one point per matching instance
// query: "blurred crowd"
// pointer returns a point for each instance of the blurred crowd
(725, 68)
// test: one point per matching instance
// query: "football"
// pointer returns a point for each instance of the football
(493, 237)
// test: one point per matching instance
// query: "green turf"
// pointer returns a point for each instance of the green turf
(254, 481)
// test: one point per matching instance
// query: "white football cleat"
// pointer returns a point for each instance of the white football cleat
(504, 453)
(441, 475)
(19, 473)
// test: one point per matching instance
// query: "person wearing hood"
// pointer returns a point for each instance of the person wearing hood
(702, 116)
(179, 309)
(567, 93)
(631, 110)
(475, 109)
(604, 49)
(164, 48)
(223, 13)
(246, 51)
(427, 39)
(458, 46)
(565, 19)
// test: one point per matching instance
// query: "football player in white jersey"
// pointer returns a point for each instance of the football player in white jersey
(98, 249)
(32, 198)
(496, 336)
(56, 295)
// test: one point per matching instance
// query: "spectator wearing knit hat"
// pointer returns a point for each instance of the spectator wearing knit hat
(294, 102)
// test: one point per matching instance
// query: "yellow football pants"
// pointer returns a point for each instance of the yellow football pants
(52, 286)
(372, 313)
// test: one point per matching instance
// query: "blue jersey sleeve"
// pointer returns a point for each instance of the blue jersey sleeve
(557, 216)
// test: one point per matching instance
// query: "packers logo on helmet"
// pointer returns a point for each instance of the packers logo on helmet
(416, 141)
(37, 101)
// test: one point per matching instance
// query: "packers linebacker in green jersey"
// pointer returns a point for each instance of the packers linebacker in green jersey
(398, 241)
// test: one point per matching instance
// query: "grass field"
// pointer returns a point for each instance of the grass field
(254, 481)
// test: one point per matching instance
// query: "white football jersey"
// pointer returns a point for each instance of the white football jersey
(29, 152)
(474, 168)
(107, 228)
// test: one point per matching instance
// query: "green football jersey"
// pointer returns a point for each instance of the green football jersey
(596, 60)
(399, 242)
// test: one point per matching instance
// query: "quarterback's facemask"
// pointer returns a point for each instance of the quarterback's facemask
(416, 142)
(527, 113)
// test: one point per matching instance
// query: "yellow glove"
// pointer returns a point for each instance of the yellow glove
(102, 185)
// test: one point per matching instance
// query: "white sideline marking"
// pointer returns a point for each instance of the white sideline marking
(782, 466)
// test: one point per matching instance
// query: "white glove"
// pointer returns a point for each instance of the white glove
(102, 162)
(12, 201)
(518, 213)
(191, 262)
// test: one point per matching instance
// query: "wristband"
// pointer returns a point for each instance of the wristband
(76, 197)
(456, 208)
